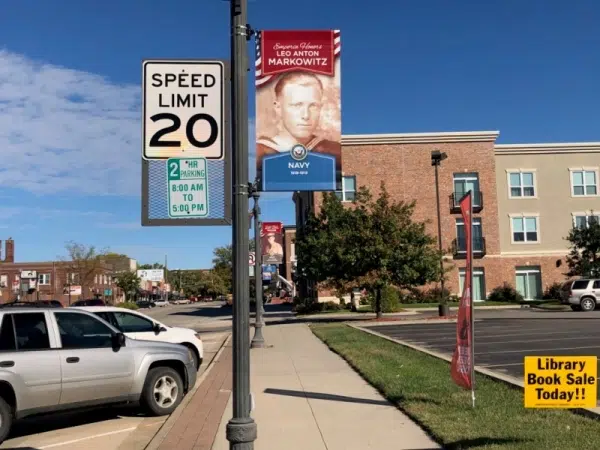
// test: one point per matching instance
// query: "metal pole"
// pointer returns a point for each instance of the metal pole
(439, 224)
(258, 341)
(241, 428)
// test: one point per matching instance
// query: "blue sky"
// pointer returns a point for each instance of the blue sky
(69, 172)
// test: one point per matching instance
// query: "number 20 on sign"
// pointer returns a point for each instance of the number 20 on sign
(188, 187)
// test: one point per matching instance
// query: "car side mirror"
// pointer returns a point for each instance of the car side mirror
(118, 340)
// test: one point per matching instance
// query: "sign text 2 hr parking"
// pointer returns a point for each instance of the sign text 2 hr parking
(184, 109)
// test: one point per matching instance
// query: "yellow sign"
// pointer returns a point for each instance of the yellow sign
(561, 381)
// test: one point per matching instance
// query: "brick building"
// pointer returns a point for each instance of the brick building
(53, 279)
(526, 198)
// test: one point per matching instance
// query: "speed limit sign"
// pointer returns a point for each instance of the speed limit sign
(184, 106)
(252, 258)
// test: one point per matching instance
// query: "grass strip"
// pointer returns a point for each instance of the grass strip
(420, 385)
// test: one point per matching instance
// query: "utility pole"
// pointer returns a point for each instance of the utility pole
(258, 341)
(241, 428)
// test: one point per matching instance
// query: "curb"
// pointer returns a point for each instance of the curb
(161, 434)
(506, 379)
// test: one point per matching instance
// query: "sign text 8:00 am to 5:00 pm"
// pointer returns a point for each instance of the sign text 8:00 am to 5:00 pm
(188, 187)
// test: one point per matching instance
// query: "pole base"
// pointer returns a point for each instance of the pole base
(241, 433)
(443, 310)
(258, 341)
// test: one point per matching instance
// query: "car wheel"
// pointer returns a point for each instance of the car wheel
(587, 304)
(195, 356)
(576, 307)
(163, 391)
(6, 419)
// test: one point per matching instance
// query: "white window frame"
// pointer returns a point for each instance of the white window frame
(533, 172)
(476, 271)
(474, 176)
(524, 216)
(528, 271)
(587, 215)
(44, 279)
(572, 170)
(343, 191)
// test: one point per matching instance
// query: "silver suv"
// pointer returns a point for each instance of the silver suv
(582, 295)
(57, 359)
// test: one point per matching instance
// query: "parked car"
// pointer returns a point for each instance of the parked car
(145, 304)
(33, 304)
(582, 295)
(90, 302)
(182, 301)
(161, 303)
(61, 359)
(136, 325)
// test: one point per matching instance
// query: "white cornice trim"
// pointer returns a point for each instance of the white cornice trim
(566, 147)
(420, 138)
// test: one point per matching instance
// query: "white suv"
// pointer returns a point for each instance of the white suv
(136, 325)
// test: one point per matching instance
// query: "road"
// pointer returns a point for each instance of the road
(124, 428)
(503, 338)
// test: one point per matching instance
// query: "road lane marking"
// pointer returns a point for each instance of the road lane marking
(551, 350)
(74, 441)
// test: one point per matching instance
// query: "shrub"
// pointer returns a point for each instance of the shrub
(317, 307)
(417, 295)
(390, 300)
(553, 292)
(128, 305)
(505, 293)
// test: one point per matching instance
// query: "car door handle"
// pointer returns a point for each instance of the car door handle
(73, 359)
(7, 363)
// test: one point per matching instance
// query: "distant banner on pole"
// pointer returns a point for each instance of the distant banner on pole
(271, 236)
(462, 360)
(298, 110)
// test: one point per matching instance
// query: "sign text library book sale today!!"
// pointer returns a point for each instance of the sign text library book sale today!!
(561, 381)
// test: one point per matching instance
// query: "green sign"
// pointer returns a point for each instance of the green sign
(107, 292)
(188, 187)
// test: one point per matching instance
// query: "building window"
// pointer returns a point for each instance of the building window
(525, 229)
(44, 278)
(3, 281)
(583, 220)
(465, 182)
(348, 192)
(479, 293)
(461, 238)
(584, 183)
(521, 184)
(529, 282)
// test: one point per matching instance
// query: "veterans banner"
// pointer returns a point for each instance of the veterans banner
(271, 236)
(462, 367)
(298, 111)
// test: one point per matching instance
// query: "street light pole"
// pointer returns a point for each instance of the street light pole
(258, 341)
(241, 428)
(436, 159)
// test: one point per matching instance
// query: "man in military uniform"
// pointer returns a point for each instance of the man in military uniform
(298, 104)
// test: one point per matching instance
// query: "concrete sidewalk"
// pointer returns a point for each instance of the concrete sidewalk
(307, 397)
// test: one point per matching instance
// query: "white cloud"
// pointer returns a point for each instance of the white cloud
(43, 213)
(63, 130)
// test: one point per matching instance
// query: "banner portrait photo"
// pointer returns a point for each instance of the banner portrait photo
(271, 237)
(298, 111)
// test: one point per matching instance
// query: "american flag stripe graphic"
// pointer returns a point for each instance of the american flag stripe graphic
(261, 79)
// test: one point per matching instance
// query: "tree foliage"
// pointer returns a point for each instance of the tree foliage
(129, 282)
(223, 263)
(84, 263)
(151, 266)
(373, 243)
(584, 257)
(198, 283)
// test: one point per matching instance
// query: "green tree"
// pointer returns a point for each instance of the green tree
(129, 282)
(83, 263)
(374, 243)
(223, 263)
(584, 257)
(151, 266)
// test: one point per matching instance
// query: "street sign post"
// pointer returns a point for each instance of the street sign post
(188, 187)
(185, 120)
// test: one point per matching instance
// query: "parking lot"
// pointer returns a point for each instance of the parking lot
(502, 342)
(113, 428)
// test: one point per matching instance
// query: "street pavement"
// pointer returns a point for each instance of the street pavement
(503, 338)
(114, 428)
